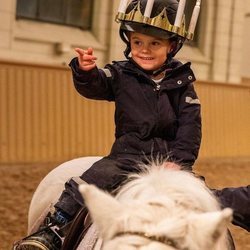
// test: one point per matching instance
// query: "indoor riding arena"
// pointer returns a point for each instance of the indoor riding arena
(18, 181)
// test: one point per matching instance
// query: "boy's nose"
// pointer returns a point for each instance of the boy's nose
(145, 47)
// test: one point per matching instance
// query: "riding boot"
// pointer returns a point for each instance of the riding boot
(49, 236)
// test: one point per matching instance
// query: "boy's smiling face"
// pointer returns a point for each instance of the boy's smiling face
(149, 52)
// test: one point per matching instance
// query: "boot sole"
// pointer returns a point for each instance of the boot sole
(31, 245)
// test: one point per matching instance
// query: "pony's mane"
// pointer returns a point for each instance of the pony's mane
(181, 186)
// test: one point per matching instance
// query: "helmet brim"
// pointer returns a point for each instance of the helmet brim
(146, 29)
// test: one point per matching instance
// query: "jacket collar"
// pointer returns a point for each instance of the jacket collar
(178, 74)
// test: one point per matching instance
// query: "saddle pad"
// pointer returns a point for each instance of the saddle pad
(90, 240)
(35, 227)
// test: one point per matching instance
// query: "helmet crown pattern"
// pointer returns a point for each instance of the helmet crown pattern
(165, 17)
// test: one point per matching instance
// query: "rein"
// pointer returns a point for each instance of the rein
(162, 239)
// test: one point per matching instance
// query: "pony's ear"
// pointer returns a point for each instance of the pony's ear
(209, 227)
(103, 208)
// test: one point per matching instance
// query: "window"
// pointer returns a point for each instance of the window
(75, 13)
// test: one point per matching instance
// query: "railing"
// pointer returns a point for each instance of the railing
(43, 119)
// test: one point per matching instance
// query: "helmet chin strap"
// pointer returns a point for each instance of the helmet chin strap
(126, 41)
(161, 69)
(127, 51)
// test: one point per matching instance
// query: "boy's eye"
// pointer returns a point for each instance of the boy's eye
(136, 42)
(155, 43)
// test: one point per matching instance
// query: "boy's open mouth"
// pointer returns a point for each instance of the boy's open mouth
(146, 58)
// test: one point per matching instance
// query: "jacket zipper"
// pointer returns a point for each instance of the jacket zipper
(157, 86)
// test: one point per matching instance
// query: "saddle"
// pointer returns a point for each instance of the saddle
(77, 230)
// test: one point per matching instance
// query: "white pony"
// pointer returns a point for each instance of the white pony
(51, 187)
(158, 209)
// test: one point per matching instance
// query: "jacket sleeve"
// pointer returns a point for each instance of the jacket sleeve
(239, 200)
(93, 84)
(186, 145)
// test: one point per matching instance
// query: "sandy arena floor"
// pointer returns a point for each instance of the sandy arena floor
(18, 183)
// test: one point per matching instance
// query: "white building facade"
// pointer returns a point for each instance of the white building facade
(222, 53)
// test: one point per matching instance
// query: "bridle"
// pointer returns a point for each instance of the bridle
(162, 239)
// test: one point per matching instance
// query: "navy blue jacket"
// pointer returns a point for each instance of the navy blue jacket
(150, 119)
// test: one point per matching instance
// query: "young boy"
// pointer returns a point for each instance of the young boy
(157, 112)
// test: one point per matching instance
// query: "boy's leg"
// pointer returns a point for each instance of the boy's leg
(106, 174)
(239, 200)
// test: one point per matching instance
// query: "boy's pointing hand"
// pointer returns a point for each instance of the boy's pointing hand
(86, 59)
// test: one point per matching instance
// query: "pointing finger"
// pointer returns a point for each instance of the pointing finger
(79, 51)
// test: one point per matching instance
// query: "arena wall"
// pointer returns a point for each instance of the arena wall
(43, 118)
